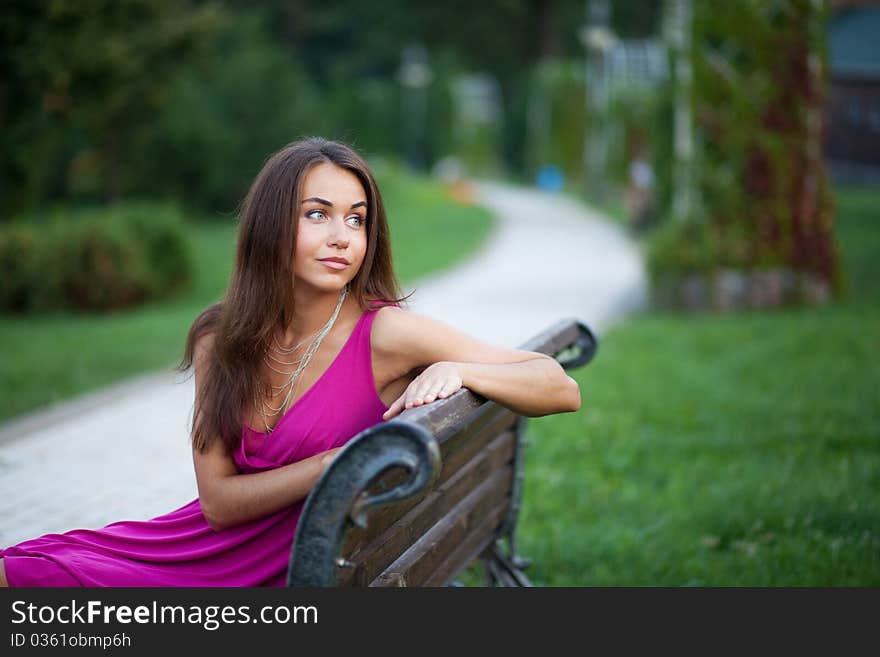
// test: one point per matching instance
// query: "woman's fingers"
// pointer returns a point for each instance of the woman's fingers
(436, 391)
(448, 388)
(423, 390)
(395, 408)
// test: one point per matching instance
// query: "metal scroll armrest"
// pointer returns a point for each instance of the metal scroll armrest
(339, 498)
(569, 341)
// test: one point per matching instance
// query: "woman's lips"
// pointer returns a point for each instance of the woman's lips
(333, 264)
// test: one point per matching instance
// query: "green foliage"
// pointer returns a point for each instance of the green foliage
(243, 99)
(662, 148)
(365, 112)
(18, 258)
(91, 265)
(98, 260)
(758, 87)
(440, 124)
(161, 234)
(690, 246)
(88, 77)
(476, 134)
(183, 100)
(557, 117)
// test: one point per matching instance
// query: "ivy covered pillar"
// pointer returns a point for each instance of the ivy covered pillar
(762, 234)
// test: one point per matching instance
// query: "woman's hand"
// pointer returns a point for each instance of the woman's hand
(438, 381)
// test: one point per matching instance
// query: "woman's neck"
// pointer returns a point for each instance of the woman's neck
(311, 312)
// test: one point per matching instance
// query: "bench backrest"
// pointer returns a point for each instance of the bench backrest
(413, 501)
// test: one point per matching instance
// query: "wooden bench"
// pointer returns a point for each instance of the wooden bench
(415, 500)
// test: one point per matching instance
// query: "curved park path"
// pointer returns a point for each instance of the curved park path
(123, 453)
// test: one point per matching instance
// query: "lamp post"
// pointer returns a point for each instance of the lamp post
(678, 27)
(414, 76)
(598, 39)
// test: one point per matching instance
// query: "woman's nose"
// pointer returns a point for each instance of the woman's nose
(336, 233)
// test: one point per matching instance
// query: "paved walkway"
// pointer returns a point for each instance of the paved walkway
(124, 454)
(549, 258)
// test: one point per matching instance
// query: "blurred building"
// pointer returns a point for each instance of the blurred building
(638, 63)
(852, 137)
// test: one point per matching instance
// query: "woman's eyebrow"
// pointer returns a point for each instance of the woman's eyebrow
(330, 205)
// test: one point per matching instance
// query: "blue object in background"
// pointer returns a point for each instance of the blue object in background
(550, 178)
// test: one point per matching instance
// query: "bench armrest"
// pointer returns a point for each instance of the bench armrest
(340, 498)
(339, 495)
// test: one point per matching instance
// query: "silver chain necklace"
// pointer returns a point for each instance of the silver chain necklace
(264, 407)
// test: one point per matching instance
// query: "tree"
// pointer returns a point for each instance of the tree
(82, 79)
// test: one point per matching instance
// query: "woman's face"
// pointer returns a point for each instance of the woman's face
(332, 223)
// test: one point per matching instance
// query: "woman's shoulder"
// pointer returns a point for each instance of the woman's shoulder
(392, 327)
(387, 320)
(397, 330)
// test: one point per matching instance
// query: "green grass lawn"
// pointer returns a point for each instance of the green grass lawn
(739, 450)
(50, 358)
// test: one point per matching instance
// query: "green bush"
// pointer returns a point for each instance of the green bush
(18, 247)
(160, 230)
(100, 266)
(682, 247)
(220, 120)
(695, 245)
(97, 260)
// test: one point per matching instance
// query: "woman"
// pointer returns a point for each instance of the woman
(308, 348)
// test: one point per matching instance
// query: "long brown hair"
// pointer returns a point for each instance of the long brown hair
(259, 297)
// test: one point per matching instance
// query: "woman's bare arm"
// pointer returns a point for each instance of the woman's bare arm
(228, 497)
(526, 382)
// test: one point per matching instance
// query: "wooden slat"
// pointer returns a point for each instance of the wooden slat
(430, 551)
(455, 451)
(384, 549)
(489, 421)
(477, 541)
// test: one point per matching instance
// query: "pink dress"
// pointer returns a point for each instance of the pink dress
(180, 548)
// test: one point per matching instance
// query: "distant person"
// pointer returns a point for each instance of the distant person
(639, 194)
(451, 171)
(308, 347)
(551, 178)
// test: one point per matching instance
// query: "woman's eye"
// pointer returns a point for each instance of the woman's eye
(356, 220)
